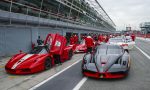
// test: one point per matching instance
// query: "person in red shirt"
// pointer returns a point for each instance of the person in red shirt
(84, 36)
(72, 41)
(133, 37)
(76, 39)
(89, 43)
(33, 45)
(107, 38)
(100, 37)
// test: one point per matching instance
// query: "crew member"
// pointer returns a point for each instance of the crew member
(89, 43)
(76, 39)
(72, 40)
(95, 37)
(39, 41)
(33, 45)
(100, 38)
(107, 38)
(83, 37)
(133, 37)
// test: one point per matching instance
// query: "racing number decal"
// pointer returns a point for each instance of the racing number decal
(58, 43)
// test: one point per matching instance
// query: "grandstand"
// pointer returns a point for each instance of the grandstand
(22, 21)
(79, 12)
(145, 27)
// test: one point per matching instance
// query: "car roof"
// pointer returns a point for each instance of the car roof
(116, 38)
(108, 46)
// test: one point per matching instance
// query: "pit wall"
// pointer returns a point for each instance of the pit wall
(14, 38)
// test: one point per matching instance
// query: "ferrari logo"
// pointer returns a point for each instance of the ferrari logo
(58, 43)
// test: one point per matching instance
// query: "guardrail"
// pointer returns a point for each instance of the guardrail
(143, 35)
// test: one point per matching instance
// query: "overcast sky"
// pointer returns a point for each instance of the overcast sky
(127, 12)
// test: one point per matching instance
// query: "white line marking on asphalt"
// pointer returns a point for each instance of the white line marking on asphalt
(78, 86)
(41, 83)
(143, 52)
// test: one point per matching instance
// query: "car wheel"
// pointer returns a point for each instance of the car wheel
(70, 54)
(48, 63)
(128, 67)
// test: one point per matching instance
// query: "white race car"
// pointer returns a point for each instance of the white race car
(130, 42)
(126, 42)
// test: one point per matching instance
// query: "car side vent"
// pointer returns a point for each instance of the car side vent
(118, 61)
(124, 62)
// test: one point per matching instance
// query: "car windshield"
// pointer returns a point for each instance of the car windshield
(114, 51)
(109, 49)
(116, 40)
(39, 50)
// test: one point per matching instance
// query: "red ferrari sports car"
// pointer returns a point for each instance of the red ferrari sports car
(81, 48)
(42, 57)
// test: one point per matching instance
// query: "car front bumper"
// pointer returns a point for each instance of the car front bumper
(119, 74)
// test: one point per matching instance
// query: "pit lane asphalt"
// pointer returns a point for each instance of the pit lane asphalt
(25, 82)
(65, 81)
(138, 78)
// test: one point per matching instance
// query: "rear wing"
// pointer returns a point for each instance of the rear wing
(56, 43)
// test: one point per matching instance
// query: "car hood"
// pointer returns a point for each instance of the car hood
(104, 62)
(81, 46)
(117, 43)
(23, 60)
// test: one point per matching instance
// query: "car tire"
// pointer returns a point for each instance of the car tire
(48, 63)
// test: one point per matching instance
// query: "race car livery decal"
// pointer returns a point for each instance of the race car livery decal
(21, 60)
(58, 43)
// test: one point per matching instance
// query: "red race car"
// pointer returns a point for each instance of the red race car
(42, 57)
(81, 48)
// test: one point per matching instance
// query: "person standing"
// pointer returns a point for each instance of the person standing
(107, 38)
(72, 40)
(76, 39)
(100, 38)
(39, 41)
(89, 43)
(133, 37)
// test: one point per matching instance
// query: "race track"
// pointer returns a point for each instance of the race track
(71, 78)
(138, 78)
